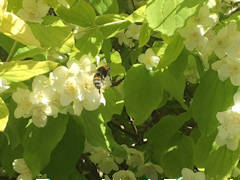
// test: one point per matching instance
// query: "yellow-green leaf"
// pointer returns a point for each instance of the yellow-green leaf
(17, 71)
(138, 15)
(17, 29)
(3, 115)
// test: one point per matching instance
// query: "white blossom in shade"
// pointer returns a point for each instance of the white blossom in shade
(122, 39)
(229, 129)
(205, 18)
(133, 31)
(107, 165)
(3, 85)
(236, 106)
(149, 170)
(194, 36)
(33, 10)
(228, 68)
(101, 157)
(21, 167)
(124, 174)
(134, 157)
(24, 105)
(222, 43)
(149, 59)
(236, 172)
(188, 174)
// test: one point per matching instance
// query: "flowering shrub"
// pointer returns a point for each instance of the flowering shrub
(112, 89)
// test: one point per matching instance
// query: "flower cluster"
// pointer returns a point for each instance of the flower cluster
(67, 89)
(127, 37)
(229, 129)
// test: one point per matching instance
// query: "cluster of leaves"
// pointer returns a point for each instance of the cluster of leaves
(159, 112)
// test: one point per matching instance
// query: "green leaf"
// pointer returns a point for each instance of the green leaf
(173, 50)
(6, 42)
(168, 16)
(94, 128)
(17, 71)
(3, 115)
(160, 134)
(117, 69)
(26, 52)
(145, 34)
(51, 36)
(211, 96)
(40, 142)
(221, 162)
(105, 6)
(81, 13)
(15, 129)
(202, 150)
(138, 15)
(111, 24)
(90, 43)
(173, 80)
(114, 104)
(143, 92)
(98, 133)
(116, 57)
(178, 157)
(68, 151)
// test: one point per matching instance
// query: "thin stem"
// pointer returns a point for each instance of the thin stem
(11, 51)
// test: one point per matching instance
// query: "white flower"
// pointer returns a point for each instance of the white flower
(194, 36)
(228, 68)
(3, 85)
(204, 18)
(188, 174)
(150, 171)
(133, 31)
(41, 97)
(83, 65)
(33, 10)
(91, 98)
(222, 43)
(66, 84)
(21, 167)
(149, 59)
(24, 105)
(122, 175)
(229, 129)
(236, 106)
(211, 3)
(134, 157)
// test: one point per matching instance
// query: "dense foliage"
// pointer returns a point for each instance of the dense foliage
(119, 89)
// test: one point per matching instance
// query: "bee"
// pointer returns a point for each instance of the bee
(99, 78)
